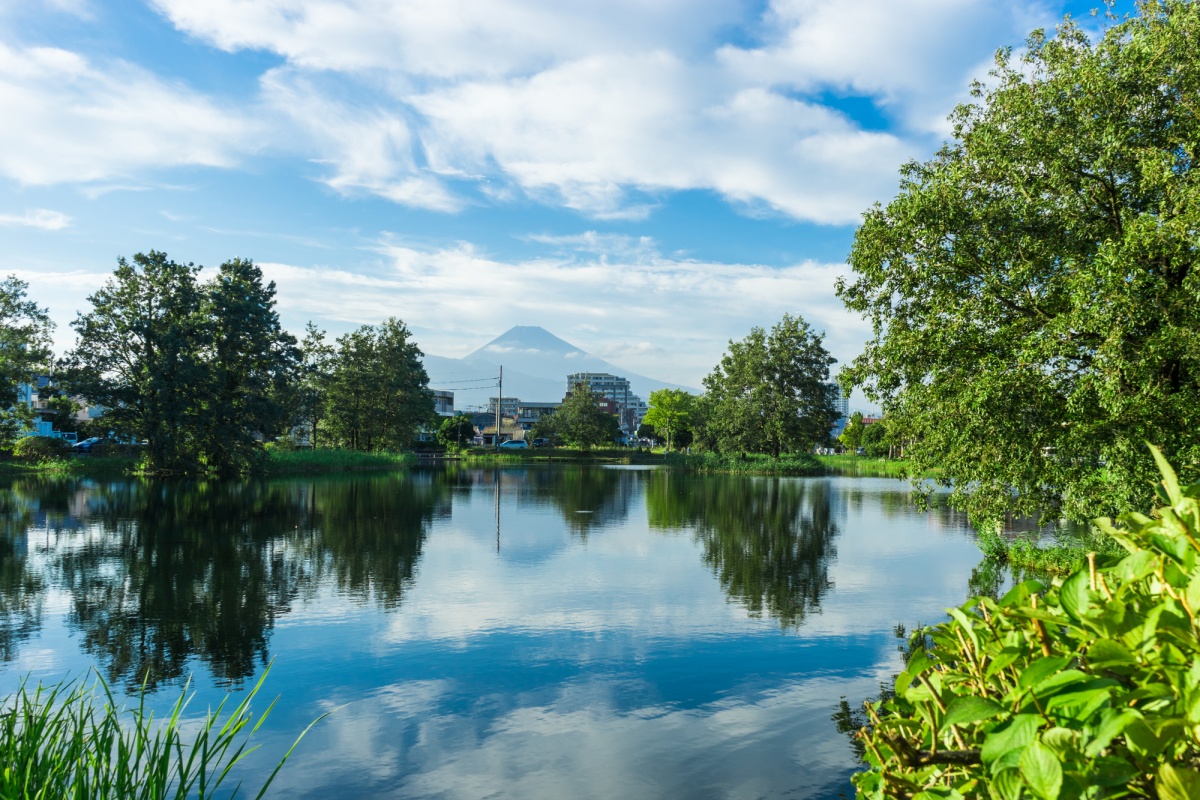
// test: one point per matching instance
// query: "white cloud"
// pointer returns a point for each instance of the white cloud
(36, 218)
(593, 107)
(80, 122)
(606, 302)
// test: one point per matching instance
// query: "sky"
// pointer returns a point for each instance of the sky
(647, 179)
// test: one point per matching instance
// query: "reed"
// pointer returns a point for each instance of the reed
(284, 462)
(748, 464)
(74, 740)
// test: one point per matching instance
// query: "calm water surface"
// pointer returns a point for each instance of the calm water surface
(506, 633)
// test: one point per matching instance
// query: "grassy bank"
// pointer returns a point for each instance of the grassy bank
(869, 467)
(82, 465)
(1060, 557)
(293, 462)
(557, 455)
(749, 464)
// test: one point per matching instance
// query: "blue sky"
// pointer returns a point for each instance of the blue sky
(644, 179)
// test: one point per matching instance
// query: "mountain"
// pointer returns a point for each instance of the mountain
(536, 365)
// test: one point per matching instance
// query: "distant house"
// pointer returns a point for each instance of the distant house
(528, 413)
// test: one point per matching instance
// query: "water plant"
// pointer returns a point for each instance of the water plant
(1084, 687)
(74, 740)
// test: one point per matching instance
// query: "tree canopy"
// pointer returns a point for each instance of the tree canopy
(670, 413)
(770, 393)
(1032, 288)
(24, 349)
(194, 370)
(580, 421)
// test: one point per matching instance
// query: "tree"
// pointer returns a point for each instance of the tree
(456, 430)
(875, 439)
(251, 363)
(670, 412)
(581, 422)
(24, 350)
(197, 371)
(1033, 288)
(378, 391)
(852, 436)
(138, 355)
(316, 365)
(769, 393)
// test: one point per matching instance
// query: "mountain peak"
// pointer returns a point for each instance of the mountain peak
(531, 340)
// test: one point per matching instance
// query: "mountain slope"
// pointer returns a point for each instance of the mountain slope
(536, 364)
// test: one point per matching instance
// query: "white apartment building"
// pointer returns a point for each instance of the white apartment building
(632, 409)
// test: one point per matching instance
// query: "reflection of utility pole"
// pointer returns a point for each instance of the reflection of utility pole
(499, 405)
(497, 482)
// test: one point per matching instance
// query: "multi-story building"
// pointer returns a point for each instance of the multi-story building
(631, 409)
(508, 406)
(528, 413)
(443, 402)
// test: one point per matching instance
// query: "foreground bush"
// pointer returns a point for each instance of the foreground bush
(36, 448)
(1086, 688)
(74, 741)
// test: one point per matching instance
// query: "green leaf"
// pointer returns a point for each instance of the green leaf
(1113, 722)
(1178, 783)
(1041, 669)
(1041, 771)
(1170, 481)
(1018, 733)
(1075, 594)
(1108, 653)
(963, 710)
(1006, 785)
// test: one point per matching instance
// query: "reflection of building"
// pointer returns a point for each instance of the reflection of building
(443, 402)
(630, 408)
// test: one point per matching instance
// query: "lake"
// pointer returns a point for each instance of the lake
(568, 632)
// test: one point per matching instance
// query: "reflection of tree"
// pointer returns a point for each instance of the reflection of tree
(20, 588)
(587, 497)
(768, 540)
(371, 531)
(163, 572)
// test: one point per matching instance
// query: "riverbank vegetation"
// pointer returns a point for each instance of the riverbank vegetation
(795, 464)
(1084, 686)
(75, 740)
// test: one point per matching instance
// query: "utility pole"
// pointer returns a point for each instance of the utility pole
(499, 404)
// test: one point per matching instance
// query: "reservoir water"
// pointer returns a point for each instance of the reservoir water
(503, 633)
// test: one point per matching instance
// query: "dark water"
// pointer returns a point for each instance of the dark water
(514, 633)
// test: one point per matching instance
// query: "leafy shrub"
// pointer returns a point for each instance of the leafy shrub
(1089, 687)
(36, 448)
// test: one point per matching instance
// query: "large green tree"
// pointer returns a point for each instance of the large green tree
(670, 413)
(24, 350)
(770, 393)
(251, 366)
(196, 370)
(581, 422)
(378, 390)
(138, 355)
(1033, 288)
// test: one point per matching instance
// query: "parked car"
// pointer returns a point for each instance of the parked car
(514, 445)
(86, 445)
(541, 442)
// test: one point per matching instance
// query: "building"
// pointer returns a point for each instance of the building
(631, 409)
(443, 402)
(840, 401)
(528, 413)
(508, 406)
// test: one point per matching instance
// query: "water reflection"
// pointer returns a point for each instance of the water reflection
(768, 540)
(21, 588)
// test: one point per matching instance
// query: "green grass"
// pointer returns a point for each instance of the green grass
(1061, 557)
(869, 467)
(290, 462)
(750, 464)
(80, 465)
(73, 740)
(558, 455)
